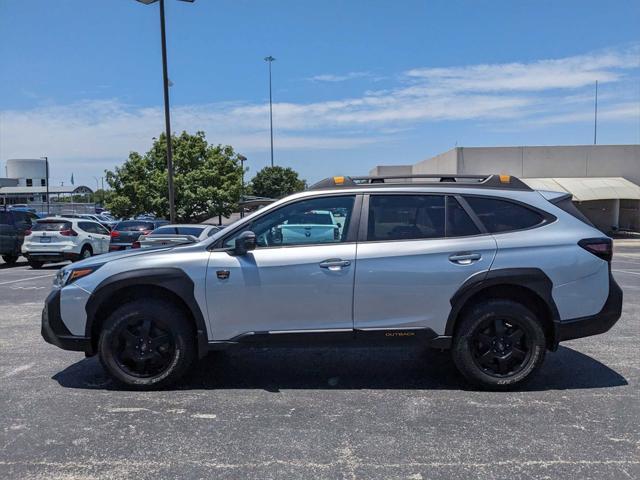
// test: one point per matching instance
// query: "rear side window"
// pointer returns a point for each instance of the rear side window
(87, 227)
(195, 231)
(406, 217)
(51, 226)
(164, 231)
(502, 216)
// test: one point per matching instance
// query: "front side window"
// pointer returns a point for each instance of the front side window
(503, 216)
(306, 222)
(406, 217)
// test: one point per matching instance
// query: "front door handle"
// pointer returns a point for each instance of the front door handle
(335, 264)
(464, 258)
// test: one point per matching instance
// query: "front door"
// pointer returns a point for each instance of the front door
(299, 279)
(418, 251)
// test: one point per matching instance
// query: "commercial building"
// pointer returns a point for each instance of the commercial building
(26, 183)
(604, 180)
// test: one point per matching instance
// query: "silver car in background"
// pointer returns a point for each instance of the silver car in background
(171, 235)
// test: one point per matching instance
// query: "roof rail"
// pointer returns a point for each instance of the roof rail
(508, 182)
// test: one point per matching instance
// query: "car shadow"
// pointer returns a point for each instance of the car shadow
(352, 368)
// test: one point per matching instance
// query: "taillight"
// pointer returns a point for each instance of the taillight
(114, 233)
(70, 232)
(27, 233)
(146, 232)
(135, 245)
(600, 247)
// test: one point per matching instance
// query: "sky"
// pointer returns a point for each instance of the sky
(356, 83)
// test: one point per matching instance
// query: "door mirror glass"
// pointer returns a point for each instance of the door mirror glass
(245, 242)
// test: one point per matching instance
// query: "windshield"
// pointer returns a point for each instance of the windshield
(133, 226)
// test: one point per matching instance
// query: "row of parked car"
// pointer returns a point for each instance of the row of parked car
(80, 236)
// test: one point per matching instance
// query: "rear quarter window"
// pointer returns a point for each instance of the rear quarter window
(504, 216)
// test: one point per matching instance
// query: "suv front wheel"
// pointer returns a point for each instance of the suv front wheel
(147, 344)
(499, 344)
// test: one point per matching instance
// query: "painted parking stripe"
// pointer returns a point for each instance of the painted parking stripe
(625, 271)
(27, 279)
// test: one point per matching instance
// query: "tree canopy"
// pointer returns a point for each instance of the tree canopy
(207, 180)
(276, 182)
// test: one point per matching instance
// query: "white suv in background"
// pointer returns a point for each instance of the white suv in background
(57, 239)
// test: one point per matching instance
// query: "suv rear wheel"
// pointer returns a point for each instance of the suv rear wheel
(499, 344)
(147, 344)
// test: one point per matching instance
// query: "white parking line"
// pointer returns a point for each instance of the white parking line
(625, 271)
(27, 279)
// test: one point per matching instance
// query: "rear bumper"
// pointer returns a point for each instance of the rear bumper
(594, 324)
(54, 330)
(114, 247)
(51, 256)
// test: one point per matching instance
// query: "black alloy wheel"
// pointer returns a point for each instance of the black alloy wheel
(501, 347)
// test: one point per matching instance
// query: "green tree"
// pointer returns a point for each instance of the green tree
(206, 179)
(276, 182)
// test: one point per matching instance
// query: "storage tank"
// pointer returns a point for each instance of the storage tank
(28, 171)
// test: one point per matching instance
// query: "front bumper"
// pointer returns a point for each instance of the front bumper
(54, 330)
(596, 324)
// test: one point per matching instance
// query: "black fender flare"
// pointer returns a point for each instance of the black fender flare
(533, 279)
(171, 278)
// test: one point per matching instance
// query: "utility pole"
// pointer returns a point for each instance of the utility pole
(242, 159)
(46, 167)
(270, 60)
(595, 120)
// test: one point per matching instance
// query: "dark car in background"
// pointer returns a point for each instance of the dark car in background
(13, 225)
(126, 232)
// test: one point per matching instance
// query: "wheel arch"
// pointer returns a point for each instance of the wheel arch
(529, 286)
(168, 284)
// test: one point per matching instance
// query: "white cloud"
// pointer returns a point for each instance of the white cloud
(330, 77)
(539, 92)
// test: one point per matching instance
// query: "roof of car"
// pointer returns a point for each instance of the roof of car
(492, 181)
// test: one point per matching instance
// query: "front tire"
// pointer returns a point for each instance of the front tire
(147, 344)
(499, 345)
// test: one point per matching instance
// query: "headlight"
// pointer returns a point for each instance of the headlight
(65, 276)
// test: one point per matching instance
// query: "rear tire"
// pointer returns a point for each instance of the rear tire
(85, 253)
(499, 345)
(36, 265)
(10, 260)
(147, 344)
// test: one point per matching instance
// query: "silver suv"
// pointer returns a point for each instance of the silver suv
(481, 265)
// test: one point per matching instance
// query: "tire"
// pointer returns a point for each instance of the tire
(36, 265)
(85, 253)
(499, 345)
(10, 260)
(147, 344)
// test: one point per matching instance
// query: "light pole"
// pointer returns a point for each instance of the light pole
(98, 188)
(46, 167)
(270, 60)
(167, 119)
(242, 159)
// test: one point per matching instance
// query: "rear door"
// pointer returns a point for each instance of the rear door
(8, 234)
(414, 253)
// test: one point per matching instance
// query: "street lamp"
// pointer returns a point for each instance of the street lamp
(242, 159)
(167, 119)
(46, 163)
(270, 60)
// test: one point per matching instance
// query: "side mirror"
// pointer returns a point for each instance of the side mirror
(245, 242)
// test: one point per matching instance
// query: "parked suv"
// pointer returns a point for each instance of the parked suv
(13, 225)
(481, 265)
(56, 239)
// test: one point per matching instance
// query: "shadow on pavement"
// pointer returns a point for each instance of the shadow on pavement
(349, 368)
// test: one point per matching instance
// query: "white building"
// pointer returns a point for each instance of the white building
(603, 179)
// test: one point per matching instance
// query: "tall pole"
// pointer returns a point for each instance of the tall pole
(46, 167)
(270, 60)
(595, 119)
(242, 159)
(167, 117)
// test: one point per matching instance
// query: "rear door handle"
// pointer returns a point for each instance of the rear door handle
(335, 264)
(464, 258)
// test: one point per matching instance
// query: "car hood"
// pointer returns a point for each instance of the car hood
(119, 255)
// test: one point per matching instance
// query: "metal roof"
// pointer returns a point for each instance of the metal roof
(52, 190)
(584, 189)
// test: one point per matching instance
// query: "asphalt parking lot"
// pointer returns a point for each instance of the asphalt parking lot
(318, 413)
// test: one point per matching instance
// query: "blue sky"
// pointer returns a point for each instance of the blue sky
(356, 83)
